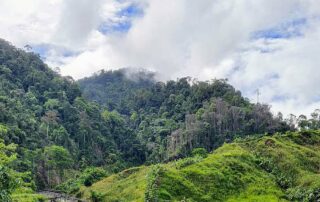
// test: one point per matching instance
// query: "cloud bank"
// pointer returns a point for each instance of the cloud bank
(266, 44)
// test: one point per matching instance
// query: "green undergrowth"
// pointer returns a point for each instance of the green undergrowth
(282, 167)
(86, 178)
(128, 185)
(27, 195)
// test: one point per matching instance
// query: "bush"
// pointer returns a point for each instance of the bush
(97, 196)
(7, 184)
(188, 161)
(199, 152)
(151, 193)
(87, 178)
(303, 194)
(93, 175)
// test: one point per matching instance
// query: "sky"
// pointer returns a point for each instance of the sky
(269, 45)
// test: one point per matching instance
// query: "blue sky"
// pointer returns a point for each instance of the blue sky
(128, 13)
(269, 45)
(286, 29)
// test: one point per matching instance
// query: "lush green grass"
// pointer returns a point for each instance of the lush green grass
(28, 198)
(26, 195)
(129, 185)
(229, 173)
(271, 168)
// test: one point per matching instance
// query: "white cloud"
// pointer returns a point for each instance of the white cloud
(289, 76)
(205, 39)
(77, 20)
(27, 22)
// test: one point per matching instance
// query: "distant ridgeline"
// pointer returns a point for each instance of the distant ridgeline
(115, 89)
(171, 118)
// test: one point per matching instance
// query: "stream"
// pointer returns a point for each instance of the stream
(59, 197)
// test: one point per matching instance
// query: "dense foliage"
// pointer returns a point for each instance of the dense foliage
(171, 118)
(115, 89)
(8, 183)
(54, 127)
(13, 183)
(86, 178)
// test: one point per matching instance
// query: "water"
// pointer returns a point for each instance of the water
(59, 197)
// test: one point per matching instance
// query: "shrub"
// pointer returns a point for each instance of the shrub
(87, 178)
(151, 193)
(188, 161)
(303, 194)
(199, 152)
(93, 175)
(97, 196)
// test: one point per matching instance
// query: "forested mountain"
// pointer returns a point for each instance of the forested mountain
(171, 118)
(54, 127)
(57, 133)
(115, 89)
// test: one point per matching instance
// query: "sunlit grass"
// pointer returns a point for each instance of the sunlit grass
(271, 168)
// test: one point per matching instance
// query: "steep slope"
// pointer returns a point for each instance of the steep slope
(54, 127)
(282, 167)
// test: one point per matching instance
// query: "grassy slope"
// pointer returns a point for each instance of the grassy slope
(129, 185)
(278, 168)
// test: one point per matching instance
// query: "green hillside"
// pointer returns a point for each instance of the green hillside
(282, 167)
(171, 118)
(50, 130)
(59, 136)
